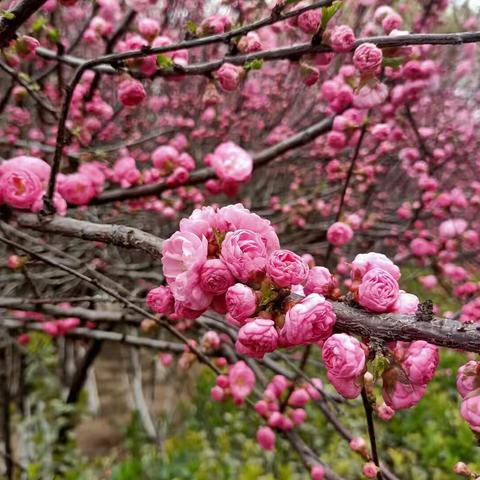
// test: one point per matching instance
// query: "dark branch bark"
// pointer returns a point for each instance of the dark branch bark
(21, 12)
(390, 327)
(120, 235)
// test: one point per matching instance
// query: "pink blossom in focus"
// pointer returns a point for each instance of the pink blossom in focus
(378, 291)
(256, 338)
(311, 320)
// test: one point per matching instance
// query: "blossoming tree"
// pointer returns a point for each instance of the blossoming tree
(268, 172)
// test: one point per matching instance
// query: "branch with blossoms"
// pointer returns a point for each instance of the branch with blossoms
(371, 159)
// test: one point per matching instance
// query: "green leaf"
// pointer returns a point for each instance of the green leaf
(256, 64)
(329, 12)
(394, 62)
(7, 15)
(378, 365)
(53, 35)
(164, 62)
(38, 24)
(191, 27)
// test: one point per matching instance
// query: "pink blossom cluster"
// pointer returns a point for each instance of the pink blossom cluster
(471, 311)
(238, 384)
(229, 260)
(405, 382)
(282, 407)
(23, 183)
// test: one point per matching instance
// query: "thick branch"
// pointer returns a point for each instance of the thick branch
(390, 327)
(15, 17)
(120, 235)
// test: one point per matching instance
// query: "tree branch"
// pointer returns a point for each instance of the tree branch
(15, 17)
(120, 235)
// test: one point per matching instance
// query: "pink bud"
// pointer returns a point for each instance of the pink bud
(299, 398)
(370, 470)
(317, 472)
(217, 393)
(266, 438)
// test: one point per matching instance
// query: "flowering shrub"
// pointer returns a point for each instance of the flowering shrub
(293, 165)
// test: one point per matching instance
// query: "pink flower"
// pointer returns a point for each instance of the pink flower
(250, 43)
(187, 290)
(339, 233)
(407, 303)
(317, 472)
(364, 262)
(215, 277)
(370, 470)
(358, 444)
(428, 281)
(452, 228)
(211, 340)
(470, 411)
(34, 165)
(217, 394)
(461, 468)
(131, 92)
(242, 380)
(50, 328)
(308, 321)
(321, 281)
(76, 188)
(266, 438)
(241, 302)
(403, 396)
(137, 5)
(420, 362)
(14, 261)
(421, 247)
(125, 172)
(347, 387)
(148, 27)
(25, 47)
(160, 300)
(393, 21)
(96, 172)
(165, 157)
(336, 140)
(468, 378)
(244, 253)
(183, 252)
(367, 58)
(385, 412)
(299, 398)
(309, 21)
(342, 38)
(256, 338)
(214, 24)
(286, 268)
(344, 356)
(234, 217)
(20, 188)
(229, 76)
(370, 95)
(378, 291)
(59, 204)
(231, 163)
